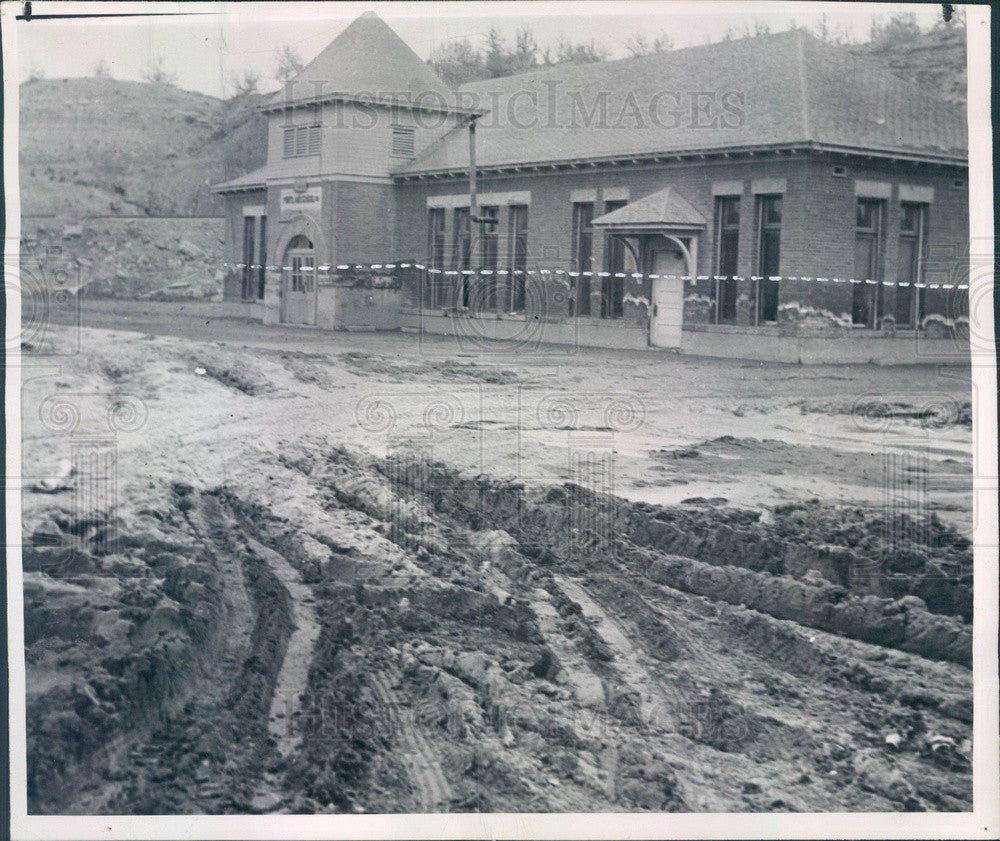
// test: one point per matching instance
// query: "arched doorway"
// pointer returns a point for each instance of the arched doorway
(299, 282)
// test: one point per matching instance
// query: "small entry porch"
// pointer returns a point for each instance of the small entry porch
(661, 232)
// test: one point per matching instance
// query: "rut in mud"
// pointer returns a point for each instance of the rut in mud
(395, 636)
(160, 690)
(668, 638)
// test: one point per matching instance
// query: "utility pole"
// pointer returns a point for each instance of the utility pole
(473, 207)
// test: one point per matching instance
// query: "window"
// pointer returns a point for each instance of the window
(254, 257)
(727, 227)
(249, 256)
(462, 252)
(866, 297)
(909, 311)
(583, 252)
(613, 288)
(434, 295)
(488, 237)
(402, 141)
(262, 257)
(302, 277)
(488, 254)
(302, 140)
(302, 261)
(768, 256)
(518, 249)
(435, 237)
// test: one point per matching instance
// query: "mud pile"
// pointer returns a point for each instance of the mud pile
(528, 666)
(125, 650)
(482, 646)
(729, 555)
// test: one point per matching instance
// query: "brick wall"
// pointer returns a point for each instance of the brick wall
(818, 227)
(364, 222)
(355, 223)
(824, 245)
(375, 221)
(550, 214)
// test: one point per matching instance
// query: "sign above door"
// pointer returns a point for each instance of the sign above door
(296, 202)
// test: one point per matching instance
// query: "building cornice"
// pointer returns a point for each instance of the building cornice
(790, 150)
(275, 180)
(681, 155)
(242, 188)
(289, 180)
(371, 100)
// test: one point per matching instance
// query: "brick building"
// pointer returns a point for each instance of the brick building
(648, 201)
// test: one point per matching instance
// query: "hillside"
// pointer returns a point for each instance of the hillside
(94, 147)
(97, 153)
(935, 60)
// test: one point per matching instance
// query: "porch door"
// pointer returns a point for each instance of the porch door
(299, 293)
(667, 315)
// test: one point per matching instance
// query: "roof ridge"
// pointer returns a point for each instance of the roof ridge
(367, 56)
(648, 57)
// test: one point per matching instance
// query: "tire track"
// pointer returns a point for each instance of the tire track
(294, 674)
(421, 760)
(626, 658)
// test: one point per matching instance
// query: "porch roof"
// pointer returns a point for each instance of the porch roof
(250, 181)
(666, 208)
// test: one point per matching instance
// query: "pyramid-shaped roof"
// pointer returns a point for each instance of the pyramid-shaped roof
(664, 208)
(367, 60)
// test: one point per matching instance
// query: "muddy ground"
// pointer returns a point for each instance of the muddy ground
(302, 572)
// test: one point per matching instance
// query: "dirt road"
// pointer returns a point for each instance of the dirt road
(339, 572)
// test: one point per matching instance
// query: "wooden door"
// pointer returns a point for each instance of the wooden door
(300, 286)
(667, 304)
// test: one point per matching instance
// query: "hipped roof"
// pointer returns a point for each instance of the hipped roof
(367, 60)
(664, 208)
(250, 181)
(783, 89)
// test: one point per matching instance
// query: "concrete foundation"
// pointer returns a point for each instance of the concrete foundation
(526, 332)
(904, 347)
(353, 308)
(346, 308)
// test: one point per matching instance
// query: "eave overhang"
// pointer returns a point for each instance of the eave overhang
(373, 99)
(222, 190)
(680, 155)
